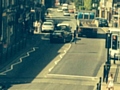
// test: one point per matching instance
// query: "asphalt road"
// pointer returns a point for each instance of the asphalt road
(67, 66)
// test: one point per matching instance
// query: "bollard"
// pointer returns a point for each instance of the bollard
(105, 72)
(114, 58)
(97, 86)
(108, 69)
(100, 83)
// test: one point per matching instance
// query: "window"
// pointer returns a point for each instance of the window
(86, 16)
(80, 15)
(92, 15)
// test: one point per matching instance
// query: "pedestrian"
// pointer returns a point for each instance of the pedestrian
(75, 32)
(110, 84)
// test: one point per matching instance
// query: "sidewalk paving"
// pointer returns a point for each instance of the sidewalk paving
(116, 86)
(31, 42)
(115, 70)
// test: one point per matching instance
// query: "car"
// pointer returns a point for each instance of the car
(50, 20)
(101, 22)
(59, 9)
(63, 33)
(63, 24)
(53, 21)
(64, 7)
(71, 10)
(66, 13)
(47, 27)
(104, 22)
(48, 12)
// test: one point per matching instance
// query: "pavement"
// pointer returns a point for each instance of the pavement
(32, 41)
(115, 70)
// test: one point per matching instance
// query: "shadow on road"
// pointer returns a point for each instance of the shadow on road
(32, 65)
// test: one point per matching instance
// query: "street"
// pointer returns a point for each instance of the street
(67, 66)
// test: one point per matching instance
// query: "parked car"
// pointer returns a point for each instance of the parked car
(47, 27)
(61, 34)
(53, 21)
(101, 22)
(66, 13)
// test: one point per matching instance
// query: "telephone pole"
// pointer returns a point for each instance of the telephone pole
(1, 46)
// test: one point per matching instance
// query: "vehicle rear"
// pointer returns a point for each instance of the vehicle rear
(101, 22)
(57, 36)
(47, 27)
(85, 24)
(62, 34)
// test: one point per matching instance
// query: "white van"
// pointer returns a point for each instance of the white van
(114, 50)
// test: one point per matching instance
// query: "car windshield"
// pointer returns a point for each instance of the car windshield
(103, 20)
(49, 20)
(63, 27)
(47, 24)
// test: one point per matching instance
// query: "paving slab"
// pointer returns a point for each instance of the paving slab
(116, 86)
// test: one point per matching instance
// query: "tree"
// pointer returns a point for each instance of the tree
(79, 3)
(88, 4)
(83, 4)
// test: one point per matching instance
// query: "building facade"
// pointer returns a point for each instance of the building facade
(106, 9)
(16, 21)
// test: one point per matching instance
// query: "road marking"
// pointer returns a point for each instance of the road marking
(20, 61)
(73, 77)
(51, 68)
(57, 61)
(61, 56)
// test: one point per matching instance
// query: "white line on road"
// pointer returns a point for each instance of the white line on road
(20, 61)
(51, 68)
(73, 76)
(57, 61)
(61, 56)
